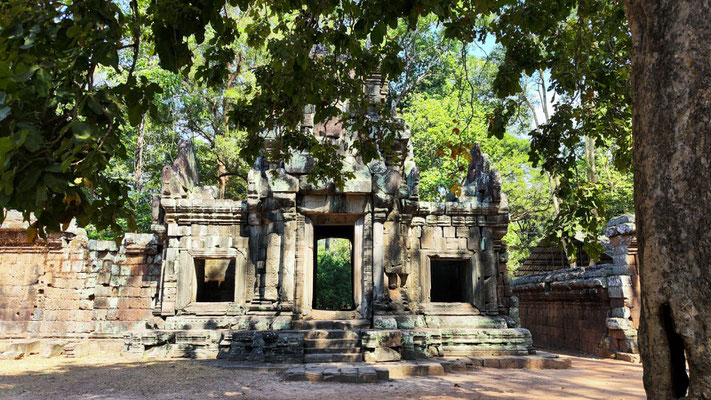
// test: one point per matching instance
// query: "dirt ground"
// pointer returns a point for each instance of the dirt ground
(118, 378)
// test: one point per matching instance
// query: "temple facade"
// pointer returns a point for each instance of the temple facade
(238, 278)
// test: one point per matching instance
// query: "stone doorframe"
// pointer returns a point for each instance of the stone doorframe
(309, 268)
(476, 284)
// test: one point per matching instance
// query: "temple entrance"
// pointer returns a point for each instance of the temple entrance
(333, 277)
(333, 268)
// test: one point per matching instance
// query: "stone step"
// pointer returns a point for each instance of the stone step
(451, 309)
(343, 373)
(334, 350)
(331, 334)
(338, 324)
(326, 358)
(330, 343)
(465, 322)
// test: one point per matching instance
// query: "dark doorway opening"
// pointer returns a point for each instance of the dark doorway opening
(215, 280)
(448, 281)
(333, 268)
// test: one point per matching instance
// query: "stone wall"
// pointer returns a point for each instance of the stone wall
(67, 286)
(593, 309)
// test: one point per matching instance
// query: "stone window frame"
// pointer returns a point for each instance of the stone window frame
(426, 257)
(186, 263)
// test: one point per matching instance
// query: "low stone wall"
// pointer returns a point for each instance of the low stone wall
(67, 286)
(594, 309)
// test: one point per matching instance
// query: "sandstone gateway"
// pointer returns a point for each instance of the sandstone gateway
(428, 279)
(237, 279)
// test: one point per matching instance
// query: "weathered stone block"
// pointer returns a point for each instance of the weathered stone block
(281, 323)
(633, 358)
(382, 354)
(619, 292)
(431, 220)
(383, 338)
(383, 322)
(458, 221)
(429, 233)
(405, 321)
(618, 324)
(297, 373)
(367, 375)
(51, 349)
(418, 221)
(444, 220)
(620, 312)
(449, 231)
(618, 280)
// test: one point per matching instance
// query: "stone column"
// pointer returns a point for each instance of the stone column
(289, 262)
(378, 255)
(358, 263)
(489, 268)
(308, 273)
(273, 263)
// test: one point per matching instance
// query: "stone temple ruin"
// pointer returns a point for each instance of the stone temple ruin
(237, 278)
(590, 308)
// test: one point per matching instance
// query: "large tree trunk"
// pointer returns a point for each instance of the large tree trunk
(671, 103)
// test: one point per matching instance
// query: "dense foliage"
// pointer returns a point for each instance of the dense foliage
(119, 82)
(334, 275)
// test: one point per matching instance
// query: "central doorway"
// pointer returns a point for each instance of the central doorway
(333, 277)
(317, 227)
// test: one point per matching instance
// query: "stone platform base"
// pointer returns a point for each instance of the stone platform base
(336, 345)
(371, 373)
(15, 349)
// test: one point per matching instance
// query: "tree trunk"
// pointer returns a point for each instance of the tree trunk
(138, 170)
(590, 159)
(671, 103)
(222, 177)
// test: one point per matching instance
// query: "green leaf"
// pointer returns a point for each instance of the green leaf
(81, 131)
(40, 194)
(34, 140)
(135, 113)
(5, 146)
(29, 180)
(25, 73)
(94, 106)
(4, 112)
(43, 82)
(73, 31)
(378, 33)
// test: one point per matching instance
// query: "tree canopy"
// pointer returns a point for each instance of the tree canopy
(94, 92)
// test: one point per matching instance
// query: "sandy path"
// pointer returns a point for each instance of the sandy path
(117, 378)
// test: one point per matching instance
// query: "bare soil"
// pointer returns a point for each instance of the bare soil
(118, 378)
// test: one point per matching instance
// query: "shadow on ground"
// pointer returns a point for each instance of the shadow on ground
(118, 378)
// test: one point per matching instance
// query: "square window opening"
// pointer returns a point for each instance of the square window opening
(215, 280)
(448, 280)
